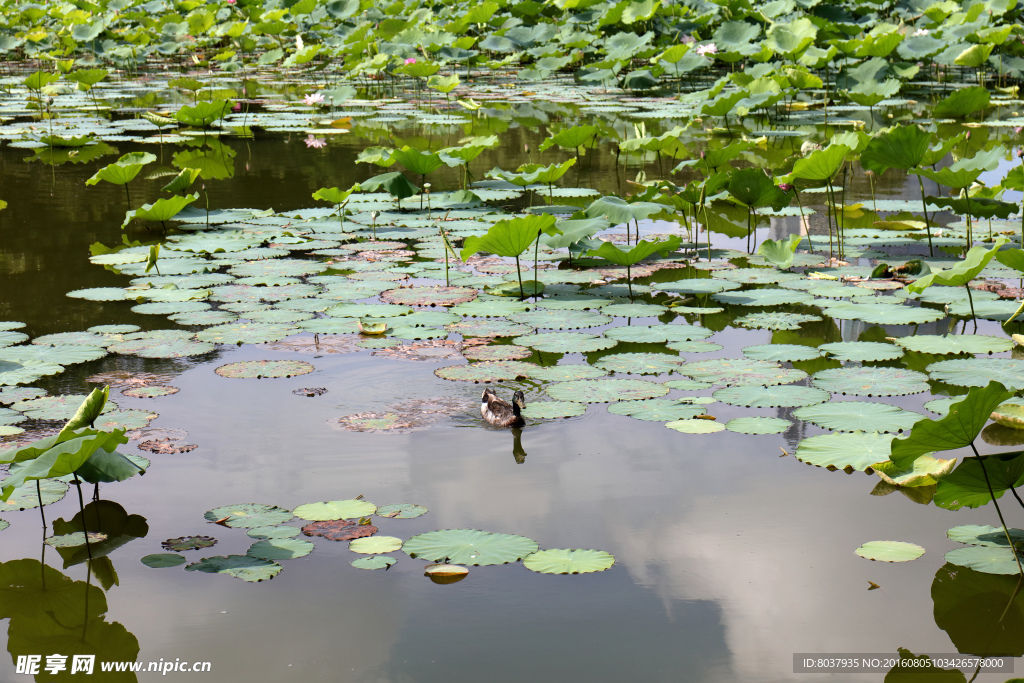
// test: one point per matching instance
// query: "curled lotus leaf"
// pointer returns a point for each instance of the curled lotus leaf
(163, 560)
(150, 391)
(549, 410)
(564, 561)
(565, 342)
(339, 529)
(244, 567)
(429, 296)
(564, 373)
(776, 320)
(25, 496)
(486, 371)
(264, 369)
(560, 320)
(188, 543)
(640, 363)
(758, 425)
(924, 471)
(498, 352)
(978, 372)
(248, 515)
(401, 510)
(605, 390)
(374, 562)
(1010, 415)
(647, 334)
(280, 549)
(890, 551)
(335, 509)
(734, 371)
(781, 353)
(469, 547)
(489, 327)
(871, 381)
(658, 409)
(861, 351)
(443, 573)
(245, 333)
(695, 426)
(962, 343)
(282, 531)
(857, 450)
(859, 416)
(375, 545)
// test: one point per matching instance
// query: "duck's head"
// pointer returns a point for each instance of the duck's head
(519, 399)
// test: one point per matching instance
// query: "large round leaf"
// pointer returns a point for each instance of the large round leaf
(857, 450)
(986, 560)
(869, 381)
(787, 396)
(890, 551)
(335, 509)
(860, 352)
(429, 296)
(605, 390)
(469, 546)
(548, 410)
(375, 545)
(280, 549)
(696, 426)
(654, 334)
(261, 369)
(732, 371)
(560, 320)
(242, 567)
(248, 515)
(758, 425)
(639, 363)
(565, 342)
(863, 416)
(978, 372)
(960, 343)
(658, 409)
(781, 353)
(563, 561)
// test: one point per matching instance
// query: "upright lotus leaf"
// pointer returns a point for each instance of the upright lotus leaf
(182, 181)
(570, 138)
(822, 165)
(203, 114)
(416, 161)
(790, 39)
(963, 272)
(976, 207)
(337, 197)
(63, 458)
(962, 174)
(394, 183)
(957, 429)
(86, 78)
(643, 249)
(163, 209)
(89, 410)
(124, 170)
(902, 147)
(573, 231)
(962, 103)
(618, 210)
(752, 188)
(511, 237)
(780, 253)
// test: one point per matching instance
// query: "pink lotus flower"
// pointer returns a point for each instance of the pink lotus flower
(687, 40)
(410, 60)
(785, 187)
(231, 2)
(313, 141)
(314, 98)
(708, 49)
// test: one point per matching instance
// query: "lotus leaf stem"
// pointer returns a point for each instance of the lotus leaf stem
(999, 512)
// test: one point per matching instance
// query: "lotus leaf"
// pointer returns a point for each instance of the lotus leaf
(699, 286)
(758, 425)
(62, 407)
(861, 352)
(565, 373)
(973, 344)
(280, 549)
(781, 353)
(244, 567)
(565, 342)
(986, 536)
(68, 354)
(857, 416)
(925, 471)
(560, 320)
(890, 551)
(871, 381)
(968, 484)
(786, 396)
(500, 352)
(880, 313)
(335, 509)
(264, 532)
(486, 371)
(732, 371)
(470, 547)
(244, 333)
(696, 426)
(162, 560)
(604, 390)
(563, 561)
(634, 310)
(429, 296)
(374, 562)
(639, 363)
(375, 545)
(25, 496)
(764, 297)
(263, 369)
(776, 320)
(657, 409)
(977, 372)
(857, 450)
(401, 510)
(248, 515)
(495, 308)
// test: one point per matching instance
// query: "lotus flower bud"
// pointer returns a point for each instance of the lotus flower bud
(785, 187)
(703, 155)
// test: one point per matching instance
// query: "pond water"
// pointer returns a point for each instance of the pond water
(731, 555)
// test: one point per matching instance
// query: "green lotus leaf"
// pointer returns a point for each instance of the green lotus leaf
(565, 373)
(639, 363)
(657, 409)
(699, 286)
(968, 484)
(857, 450)
(161, 560)
(163, 209)
(563, 561)
(565, 342)
(764, 297)
(890, 551)
(658, 333)
(786, 396)
(394, 183)
(267, 532)
(634, 310)
(548, 410)
(25, 496)
(428, 296)
(821, 165)
(985, 536)
(757, 276)
(375, 545)
(780, 253)
(560, 320)
(963, 173)
(696, 426)
(64, 407)
(733, 371)
(401, 510)
(280, 549)
(497, 353)
(781, 353)
(986, 560)
(374, 562)
(245, 333)
(925, 471)
(953, 344)
(643, 249)
(497, 308)
(859, 416)
(263, 369)
(124, 170)
(252, 569)
(604, 390)
(248, 515)
(67, 354)
(752, 188)
(861, 351)
(758, 425)
(962, 273)
(509, 237)
(469, 547)
(977, 372)
(963, 102)
(901, 147)
(776, 320)
(486, 371)
(871, 381)
(335, 509)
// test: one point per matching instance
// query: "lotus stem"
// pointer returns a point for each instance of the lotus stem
(536, 253)
(970, 299)
(81, 506)
(928, 227)
(999, 512)
(519, 273)
(39, 495)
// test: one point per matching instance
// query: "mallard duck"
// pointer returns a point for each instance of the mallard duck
(501, 413)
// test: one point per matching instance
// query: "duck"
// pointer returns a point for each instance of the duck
(501, 413)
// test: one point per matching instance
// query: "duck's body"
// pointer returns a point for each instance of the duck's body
(502, 413)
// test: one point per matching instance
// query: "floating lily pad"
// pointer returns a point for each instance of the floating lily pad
(688, 385)
(100, 293)
(25, 372)
(248, 515)
(161, 344)
(401, 510)
(753, 396)
(374, 562)
(499, 352)
(857, 416)
(280, 549)
(375, 545)
(732, 371)
(1008, 415)
(263, 532)
(858, 450)
(880, 313)
(764, 297)
(470, 547)
(860, 352)
(781, 353)
(367, 311)
(244, 567)
(489, 328)
(658, 409)
(490, 308)
(696, 426)
(335, 509)
(640, 363)
(658, 333)
(67, 354)
(56, 407)
(549, 410)
(565, 342)
(978, 372)
(776, 320)
(560, 320)
(924, 471)
(986, 560)
(25, 496)
(758, 425)
(264, 369)
(163, 560)
(871, 381)
(9, 338)
(983, 535)
(151, 391)
(605, 390)
(245, 333)
(962, 343)
(486, 371)
(634, 310)
(564, 561)
(188, 543)
(75, 539)
(429, 296)
(565, 373)
(10, 395)
(699, 286)
(890, 551)
(339, 529)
